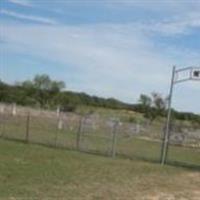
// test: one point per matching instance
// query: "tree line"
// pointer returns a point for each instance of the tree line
(46, 93)
(155, 105)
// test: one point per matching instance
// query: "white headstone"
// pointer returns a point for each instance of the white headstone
(2, 109)
(14, 109)
(60, 124)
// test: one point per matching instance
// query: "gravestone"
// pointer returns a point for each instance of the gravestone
(60, 124)
(2, 109)
(14, 109)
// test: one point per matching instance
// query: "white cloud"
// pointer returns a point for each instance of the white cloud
(100, 47)
(166, 17)
(179, 25)
(28, 17)
(178, 6)
(118, 59)
(176, 25)
(21, 2)
(108, 60)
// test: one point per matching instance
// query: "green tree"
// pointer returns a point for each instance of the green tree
(43, 89)
(152, 106)
(158, 101)
(145, 101)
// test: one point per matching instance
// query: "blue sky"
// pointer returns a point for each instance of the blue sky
(110, 48)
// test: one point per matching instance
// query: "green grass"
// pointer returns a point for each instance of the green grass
(35, 172)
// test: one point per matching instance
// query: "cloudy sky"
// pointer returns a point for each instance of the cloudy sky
(110, 48)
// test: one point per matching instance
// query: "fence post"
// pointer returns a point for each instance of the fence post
(79, 133)
(2, 108)
(3, 119)
(114, 138)
(58, 111)
(27, 127)
(59, 127)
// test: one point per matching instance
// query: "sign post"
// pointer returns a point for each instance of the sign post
(191, 73)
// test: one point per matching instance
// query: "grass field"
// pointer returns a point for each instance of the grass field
(35, 172)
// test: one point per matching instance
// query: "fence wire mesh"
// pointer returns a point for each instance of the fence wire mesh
(108, 136)
(184, 144)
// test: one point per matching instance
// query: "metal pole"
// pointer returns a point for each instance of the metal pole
(79, 132)
(114, 138)
(27, 127)
(3, 125)
(167, 130)
(57, 130)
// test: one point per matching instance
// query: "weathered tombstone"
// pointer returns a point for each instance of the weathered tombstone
(14, 109)
(137, 128)
(60, 124)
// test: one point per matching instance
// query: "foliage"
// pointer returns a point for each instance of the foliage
(47, 93)
(44, 92)
(152, 106)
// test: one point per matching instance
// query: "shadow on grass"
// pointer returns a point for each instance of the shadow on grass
(190, 166)
(195, 167)
(186, 165)
(50, 145)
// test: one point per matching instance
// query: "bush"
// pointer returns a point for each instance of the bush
(68, 108)
(132, 119)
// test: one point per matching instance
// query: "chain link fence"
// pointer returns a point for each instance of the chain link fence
(100, 135)
(184, 144)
